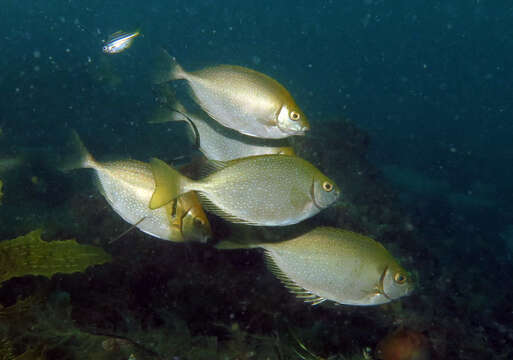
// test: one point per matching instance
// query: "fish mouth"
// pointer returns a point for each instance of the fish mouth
(297, 131)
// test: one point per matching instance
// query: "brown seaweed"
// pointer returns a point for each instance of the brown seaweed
(30, 255)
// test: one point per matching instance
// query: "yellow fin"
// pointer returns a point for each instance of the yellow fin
(30, 255)
(168, 183)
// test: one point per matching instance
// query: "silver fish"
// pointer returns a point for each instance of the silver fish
(128, 186)
(334, 264)
(217, 142)
(269, 190)
(242, 99)
(119, 41)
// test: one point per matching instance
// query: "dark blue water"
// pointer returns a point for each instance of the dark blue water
(427, 86)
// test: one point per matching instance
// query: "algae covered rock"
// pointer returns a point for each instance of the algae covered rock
(30, 255)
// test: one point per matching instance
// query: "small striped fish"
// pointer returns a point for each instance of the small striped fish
(119, 41)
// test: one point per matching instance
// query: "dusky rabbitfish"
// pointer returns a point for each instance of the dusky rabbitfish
(217, 142)
(242, 99)
(269, 190)
(128, 186)
(335, 264)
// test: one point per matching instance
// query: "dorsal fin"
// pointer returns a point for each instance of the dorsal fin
(211, 166)
(116, 34)
(295, 289)
(168, 183)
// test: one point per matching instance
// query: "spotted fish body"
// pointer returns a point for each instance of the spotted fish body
(239, 98)
(128, 186)
(338, 265)
(220, 143)
(269, 190)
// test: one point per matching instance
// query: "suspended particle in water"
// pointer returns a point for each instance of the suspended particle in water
(37, 54)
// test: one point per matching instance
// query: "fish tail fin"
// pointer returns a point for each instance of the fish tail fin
(77, 156)
(169, 183)
(167, 68)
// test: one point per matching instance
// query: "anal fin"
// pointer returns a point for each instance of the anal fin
(298, 291)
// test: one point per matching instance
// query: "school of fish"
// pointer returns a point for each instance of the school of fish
(240, 120)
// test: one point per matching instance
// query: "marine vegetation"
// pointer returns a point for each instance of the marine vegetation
(30, 255)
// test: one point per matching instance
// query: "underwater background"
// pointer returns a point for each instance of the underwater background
(410, 104)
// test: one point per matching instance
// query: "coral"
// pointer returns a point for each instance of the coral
(30, 255)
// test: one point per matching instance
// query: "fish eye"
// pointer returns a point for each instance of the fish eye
(294, 116)
(399, 278)
(198, 222)
(327, 186)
